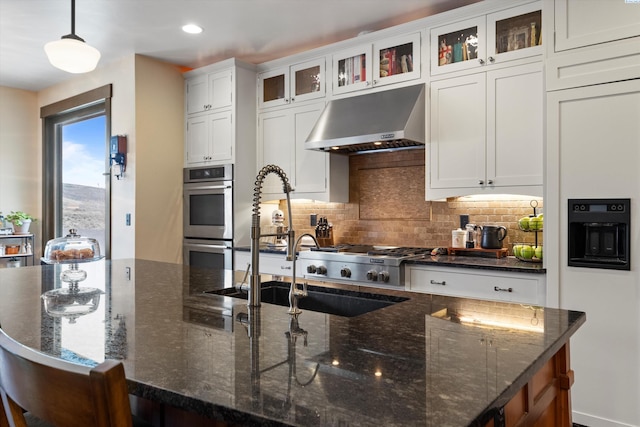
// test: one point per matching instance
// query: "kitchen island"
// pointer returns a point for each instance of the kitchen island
(193, 358)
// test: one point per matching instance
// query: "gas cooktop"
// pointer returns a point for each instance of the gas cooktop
(359, 264)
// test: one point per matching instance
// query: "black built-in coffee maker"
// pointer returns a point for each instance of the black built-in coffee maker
(599, 233)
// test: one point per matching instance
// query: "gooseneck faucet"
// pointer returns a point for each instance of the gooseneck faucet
(254, 292)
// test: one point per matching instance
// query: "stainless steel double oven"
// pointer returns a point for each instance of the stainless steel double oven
(208, 217)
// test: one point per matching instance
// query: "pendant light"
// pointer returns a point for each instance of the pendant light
(71, 53)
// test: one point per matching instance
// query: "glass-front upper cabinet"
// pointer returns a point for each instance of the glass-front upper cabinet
(387, 61)
(515, 33)
(297, 83)
(397, 59)
(352, 69)
(458, 46)
(308, 80)
(506, 35)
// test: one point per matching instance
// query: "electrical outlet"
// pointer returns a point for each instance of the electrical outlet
(464, 220)
(313, 220)
(127, 273)
(127, 219)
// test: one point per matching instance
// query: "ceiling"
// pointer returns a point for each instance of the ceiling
(251, 30)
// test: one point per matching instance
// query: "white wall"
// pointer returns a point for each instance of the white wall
(20, 154)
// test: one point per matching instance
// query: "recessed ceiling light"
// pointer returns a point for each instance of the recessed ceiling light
(192, 29)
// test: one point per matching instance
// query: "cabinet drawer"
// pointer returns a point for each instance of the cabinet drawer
(472, 284)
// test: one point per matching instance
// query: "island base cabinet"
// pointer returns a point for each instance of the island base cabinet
(546, 398)
(162, 415)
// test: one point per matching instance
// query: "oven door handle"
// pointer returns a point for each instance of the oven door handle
(207, 246)
(207, 187)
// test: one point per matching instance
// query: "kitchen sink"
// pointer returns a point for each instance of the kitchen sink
(324, 300)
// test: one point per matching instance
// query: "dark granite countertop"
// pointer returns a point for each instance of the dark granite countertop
(429, 360)
(509, 263)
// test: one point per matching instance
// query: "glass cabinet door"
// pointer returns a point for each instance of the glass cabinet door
(274, 88)
(514, 33)
(352, 69)
(458, 46)
(397, 59)
(308, 80)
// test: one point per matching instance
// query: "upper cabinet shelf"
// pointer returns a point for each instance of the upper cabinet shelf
(507, 35)
(388, 61)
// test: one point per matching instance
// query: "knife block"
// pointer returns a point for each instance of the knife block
(327, 238)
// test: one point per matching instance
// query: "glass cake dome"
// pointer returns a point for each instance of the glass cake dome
(71, 249)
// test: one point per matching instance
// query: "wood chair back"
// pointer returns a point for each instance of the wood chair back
(60, 392)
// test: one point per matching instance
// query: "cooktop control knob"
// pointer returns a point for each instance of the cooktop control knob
(321, 270)
(345, 272)
(311, 269)
(372, 275)
(383, 276)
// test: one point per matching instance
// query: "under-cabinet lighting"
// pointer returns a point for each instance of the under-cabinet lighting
(474, 321)
(485, 197)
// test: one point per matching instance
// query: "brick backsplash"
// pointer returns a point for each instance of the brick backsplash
(417, 222)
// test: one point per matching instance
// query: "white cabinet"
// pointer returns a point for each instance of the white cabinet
(296, 83)
(594, 42)
(384, 62)
(209, 139)
(312, 174)
(593, 151)
(486, 133)
(581, 24)
(209, 92)
(496, 38)
(220, 114)
(525, 288)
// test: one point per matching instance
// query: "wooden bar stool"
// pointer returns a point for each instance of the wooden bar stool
(59, 392)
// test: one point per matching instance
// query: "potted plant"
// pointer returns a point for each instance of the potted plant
(21, 221)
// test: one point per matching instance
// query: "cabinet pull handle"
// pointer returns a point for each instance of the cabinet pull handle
(481, 182)
(497, 289)
(490, 182)
(435, 282)
(285, 267)
(492, 59)
(481, 61)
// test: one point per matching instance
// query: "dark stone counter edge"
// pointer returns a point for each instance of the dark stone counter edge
(494, 407)
(209, 410)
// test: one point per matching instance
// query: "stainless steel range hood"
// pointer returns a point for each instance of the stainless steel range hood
(391, 119)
